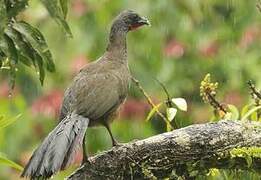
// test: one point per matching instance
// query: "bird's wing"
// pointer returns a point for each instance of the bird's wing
(68, 100)
(93, 95)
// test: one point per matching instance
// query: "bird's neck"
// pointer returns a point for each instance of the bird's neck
(117, 46)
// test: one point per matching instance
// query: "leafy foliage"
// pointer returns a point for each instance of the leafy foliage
(58, 10)
(21, 43)
(252, 113)
(5, 161)
(247, 153)
(208, 91)
(170, 109)
(187, 40)
(4, 122)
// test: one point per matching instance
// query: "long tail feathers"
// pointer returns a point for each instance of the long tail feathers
(58, 148)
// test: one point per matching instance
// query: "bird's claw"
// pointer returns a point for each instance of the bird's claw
(85, 161)
(116, 144)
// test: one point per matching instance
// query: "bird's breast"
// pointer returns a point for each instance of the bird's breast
(123, 76)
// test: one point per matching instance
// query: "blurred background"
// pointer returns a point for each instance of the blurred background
(187, 40)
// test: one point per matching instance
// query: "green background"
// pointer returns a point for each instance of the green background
(187, 40)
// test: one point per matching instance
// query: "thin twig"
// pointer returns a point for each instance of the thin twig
(255, 94)
(168, 102)
(215, 103)
(253, 89)
(137, 83)
(164, 88)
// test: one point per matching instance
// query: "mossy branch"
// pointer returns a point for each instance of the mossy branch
(196, 148)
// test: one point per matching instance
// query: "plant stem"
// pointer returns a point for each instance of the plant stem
(215, 103)
(253, 88)
(137, 83)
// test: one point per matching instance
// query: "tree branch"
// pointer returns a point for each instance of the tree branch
(196, 147)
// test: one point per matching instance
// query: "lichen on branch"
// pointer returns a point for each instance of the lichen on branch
(185, 152)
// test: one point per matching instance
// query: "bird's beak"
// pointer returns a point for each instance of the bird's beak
(144, 21)
(141, 22)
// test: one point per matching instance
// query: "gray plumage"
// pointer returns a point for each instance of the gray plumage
(92, 99)
(57, 150)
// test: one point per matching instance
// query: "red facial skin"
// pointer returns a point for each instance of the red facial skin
(135, 26)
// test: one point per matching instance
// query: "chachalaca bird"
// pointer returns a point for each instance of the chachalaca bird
(92, 99)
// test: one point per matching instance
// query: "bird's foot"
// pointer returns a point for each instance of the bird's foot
(116, 144)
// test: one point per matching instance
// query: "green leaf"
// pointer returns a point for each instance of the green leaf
(25, 60)
(249, 161)
(37, 41)
(32, 48)
(245, 109)
(254, 116)
(213, 172)
(171, 113)
(250, 112)
(15, 7)
(3, 17)
(8, 47)
(4, 122)
(58, 11)
(39, 62)
(4, 47)
(47, 53)
(5, 161)
(1, 60)
(152, 112)
(180, 103)
(12, 52)
(64, 5)
(2, 56)
(23, 48)
(65, 26)
(12, 76)
(233, 113)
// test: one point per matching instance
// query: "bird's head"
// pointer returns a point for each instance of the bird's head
(129, 20)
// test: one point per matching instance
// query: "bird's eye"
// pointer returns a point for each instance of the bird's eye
(136, 17)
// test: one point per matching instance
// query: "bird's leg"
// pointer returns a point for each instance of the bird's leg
(114, 142)
(84, 153)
